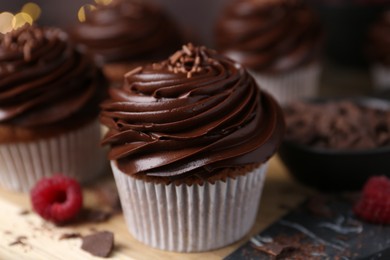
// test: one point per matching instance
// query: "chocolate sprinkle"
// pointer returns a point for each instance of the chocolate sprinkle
(99, 244)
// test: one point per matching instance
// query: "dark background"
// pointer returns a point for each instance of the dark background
(346, 21)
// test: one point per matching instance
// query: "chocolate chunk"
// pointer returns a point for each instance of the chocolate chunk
(99, 244)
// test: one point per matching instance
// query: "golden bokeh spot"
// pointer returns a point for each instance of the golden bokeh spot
(82, 10)
(103, 2)
(21, 19)
(6, 22)
(32, 9)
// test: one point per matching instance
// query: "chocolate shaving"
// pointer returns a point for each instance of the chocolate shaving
(274, 249)
(70, 236)
(289, 247)
(20, 240)
(337, 125)
(24, 212)
(99, 244)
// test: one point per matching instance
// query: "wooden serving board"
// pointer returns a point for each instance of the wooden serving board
(41, 240)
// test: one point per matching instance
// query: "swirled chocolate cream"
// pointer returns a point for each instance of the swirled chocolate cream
(195, 116)
(47, 85)
(127, 33)
(271, 36)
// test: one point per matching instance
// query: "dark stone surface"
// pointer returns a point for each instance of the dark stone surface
(319, 236)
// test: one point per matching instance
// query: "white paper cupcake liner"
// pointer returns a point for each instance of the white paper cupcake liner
(76, 154)
(293, 85)
(190, 218)
(380, 76)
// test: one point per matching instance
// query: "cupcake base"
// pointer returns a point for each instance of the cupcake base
(290, 86)
(381, 77)
(76, 154)
(186, 218)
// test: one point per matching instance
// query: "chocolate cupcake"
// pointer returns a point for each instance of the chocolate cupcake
(190, 139)
(279, 41)
(379, 51)
(49, 95)
(125, 34)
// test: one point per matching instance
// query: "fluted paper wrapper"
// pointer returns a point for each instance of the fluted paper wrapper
(190, 218)
(289, 86)
(76, 154)
(381, 77)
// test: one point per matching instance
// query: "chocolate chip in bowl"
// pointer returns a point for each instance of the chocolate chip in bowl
(337, 144)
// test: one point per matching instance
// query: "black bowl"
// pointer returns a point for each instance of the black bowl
(336, 170)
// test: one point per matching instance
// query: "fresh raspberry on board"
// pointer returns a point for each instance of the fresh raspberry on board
(374, 204)
(57, 199)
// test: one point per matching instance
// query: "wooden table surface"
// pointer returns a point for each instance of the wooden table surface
(42, 240)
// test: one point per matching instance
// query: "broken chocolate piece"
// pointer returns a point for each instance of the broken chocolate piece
(99, 244)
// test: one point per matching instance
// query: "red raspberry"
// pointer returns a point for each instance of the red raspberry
(374, 204)
(57, 199)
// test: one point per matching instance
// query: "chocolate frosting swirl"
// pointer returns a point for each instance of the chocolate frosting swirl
(127, 30)
(269, 36)
(379, 40)
(43, 78)
(195, 113)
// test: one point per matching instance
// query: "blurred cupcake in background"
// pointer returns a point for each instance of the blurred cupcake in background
(278, 41)
(125, 34)
(379, 51)
(49, 100)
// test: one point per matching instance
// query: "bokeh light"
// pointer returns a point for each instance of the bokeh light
(82, 10)
(6, 19)
(21, 19)
(103, 2)
(30, 12)
(32, 9)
